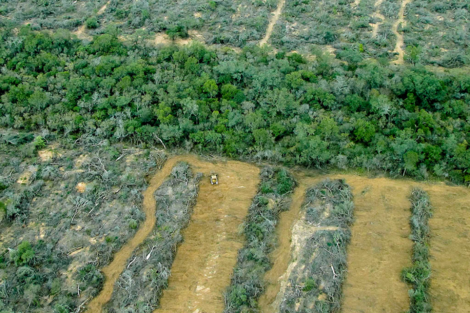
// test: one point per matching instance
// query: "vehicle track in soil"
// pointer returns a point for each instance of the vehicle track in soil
(204, 262)
(400, 40)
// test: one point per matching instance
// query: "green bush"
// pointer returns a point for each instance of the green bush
(418, 275)
(92, 23)
(23, 255)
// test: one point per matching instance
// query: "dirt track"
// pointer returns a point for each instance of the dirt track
(400, 41)
(211, 240)
(375, 27)
(273, 22)
(205, 260)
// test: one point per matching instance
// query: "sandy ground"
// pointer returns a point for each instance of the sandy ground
(380, 246)
(272, 22)
(211, 244)
(205, 260)
(450, 248)
(400, 41)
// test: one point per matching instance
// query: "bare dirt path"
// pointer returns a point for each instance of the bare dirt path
(400, 41)
(204, 262)
(379, 247)
(375, 27)
(103, 8)
(115, 268)
(272, 22)
(450, 248)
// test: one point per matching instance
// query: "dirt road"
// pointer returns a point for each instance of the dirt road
(450, 248)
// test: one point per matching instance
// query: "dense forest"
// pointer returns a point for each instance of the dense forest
(258, 104)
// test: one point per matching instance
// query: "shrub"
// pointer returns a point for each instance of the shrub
(418, 275)
(92, 23)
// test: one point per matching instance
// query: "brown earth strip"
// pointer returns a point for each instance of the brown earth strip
(281, 256)
(204, 262)
(272, 22)
(450, 248)
(114, 269)
(380, 246)
(375, 27)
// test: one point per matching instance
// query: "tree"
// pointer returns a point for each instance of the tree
(92, 23)
(411, 159)
(210, 87)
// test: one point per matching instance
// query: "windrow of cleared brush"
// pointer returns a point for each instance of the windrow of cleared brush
(419, 273)
(141, 284)
(320, 239)
(253, 260)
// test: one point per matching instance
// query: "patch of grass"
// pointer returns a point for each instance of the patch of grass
(419, 274)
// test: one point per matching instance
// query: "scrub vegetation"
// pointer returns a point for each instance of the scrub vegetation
(141, 284)
(93, 94)
(67, 207)
(437, 32)
(259, 229)
(418, 275)
(256, 104)
(319, 263)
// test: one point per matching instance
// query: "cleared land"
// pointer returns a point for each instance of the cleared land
(205, 260)
(378, 251)
(450, 253)
(380, 247)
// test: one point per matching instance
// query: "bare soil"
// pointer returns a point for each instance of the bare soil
(204, 262)
(277, 276)
(380, 246)
(114, 269)
(450, 248)
(375, 27)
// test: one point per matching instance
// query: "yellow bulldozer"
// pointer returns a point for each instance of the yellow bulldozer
(214, 179)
